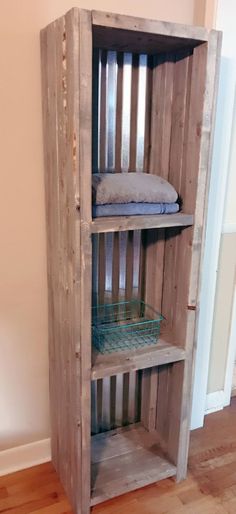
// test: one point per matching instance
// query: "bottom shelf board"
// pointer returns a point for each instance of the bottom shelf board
(124, 460)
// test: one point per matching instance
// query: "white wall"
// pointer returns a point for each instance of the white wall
(226, 16)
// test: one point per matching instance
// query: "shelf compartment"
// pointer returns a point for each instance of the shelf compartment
(123, 223)
(126, 459)
(163, 352)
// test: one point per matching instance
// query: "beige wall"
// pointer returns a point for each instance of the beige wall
(24, 411)
(223, 310)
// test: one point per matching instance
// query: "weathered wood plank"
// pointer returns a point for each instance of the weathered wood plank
(124, 223)
(85, 173)
(149, 398)
(122, 362)
(205, 154)
(134, 112)
(103, 120)
(119, 107)
(161, 28)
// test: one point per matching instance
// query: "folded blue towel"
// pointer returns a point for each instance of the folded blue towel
(134, 209)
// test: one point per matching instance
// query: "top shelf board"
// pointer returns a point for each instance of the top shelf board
(128, 33)
(124, 223)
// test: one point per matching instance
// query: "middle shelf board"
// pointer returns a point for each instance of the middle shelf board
(126, 459)
(124, 223)
(123, 362)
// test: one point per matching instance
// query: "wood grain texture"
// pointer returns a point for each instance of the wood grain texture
(124, 223)
(205, 154)
(161, 28)
(118, 362)
(124, 460)
(67, 132)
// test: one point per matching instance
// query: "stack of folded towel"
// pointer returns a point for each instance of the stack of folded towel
(127, 194)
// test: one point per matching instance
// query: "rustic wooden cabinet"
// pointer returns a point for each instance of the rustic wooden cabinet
(123, 94)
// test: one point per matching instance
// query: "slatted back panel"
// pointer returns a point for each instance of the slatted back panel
(141, 106)
(118, 146)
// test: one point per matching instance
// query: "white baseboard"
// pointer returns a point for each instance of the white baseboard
(215, 401)
(26, 456)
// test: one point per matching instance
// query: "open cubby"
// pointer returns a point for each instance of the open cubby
(123, 94)
(144, 449)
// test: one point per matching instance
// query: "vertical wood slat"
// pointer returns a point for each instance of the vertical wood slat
(115, 267)
(149, 398)
(103, 121)
(64, 224)
(162, 87)
(84, 155)
(148, 115)
(119, 106)
(60, 51)
(163, 417)
(182, 76)
(95, 110)
(101, 268)
(134, 112)
(72, 57)
(52, 204)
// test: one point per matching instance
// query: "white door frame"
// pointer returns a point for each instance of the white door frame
(231, 353)
(218, 185)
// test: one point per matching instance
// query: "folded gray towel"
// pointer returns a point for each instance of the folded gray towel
(134, 209)
(111, 188)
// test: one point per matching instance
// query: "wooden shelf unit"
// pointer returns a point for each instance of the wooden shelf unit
(90, 60)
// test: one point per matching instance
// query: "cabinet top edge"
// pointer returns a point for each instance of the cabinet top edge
(138, 24)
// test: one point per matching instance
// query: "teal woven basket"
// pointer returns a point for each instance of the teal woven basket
(124, 326)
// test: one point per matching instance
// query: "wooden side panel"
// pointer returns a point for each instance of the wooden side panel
(66, 50)
(190, 147)
(205, 155)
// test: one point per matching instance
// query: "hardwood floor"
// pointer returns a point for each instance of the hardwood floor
(209, 489)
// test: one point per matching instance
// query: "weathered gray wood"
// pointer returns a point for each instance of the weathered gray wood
(67, 131)
(124, 460)
(119, 105)
(134, 112)
(149, 398)
(205, 153)
(123, 223)
(111, 364)
(85, 174)
(137, 24)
